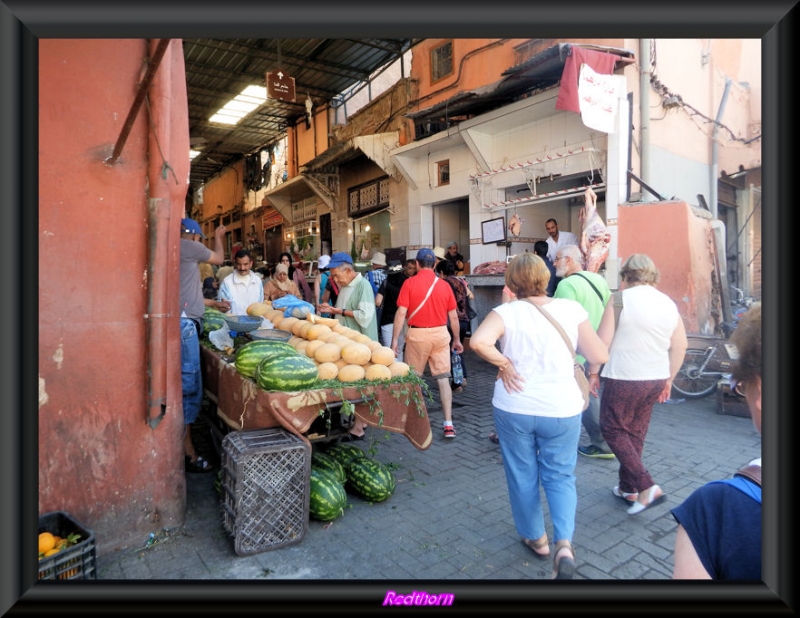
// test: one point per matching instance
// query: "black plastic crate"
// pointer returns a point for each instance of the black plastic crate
(75, 562)
(265, 489)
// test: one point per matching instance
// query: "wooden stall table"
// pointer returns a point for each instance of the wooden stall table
(242, 405)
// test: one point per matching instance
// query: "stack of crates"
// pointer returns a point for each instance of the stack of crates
(266, 475)
(74, 562)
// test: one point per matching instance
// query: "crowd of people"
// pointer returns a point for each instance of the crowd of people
(630, 344)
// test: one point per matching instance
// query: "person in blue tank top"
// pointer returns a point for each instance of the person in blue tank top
(719, 524)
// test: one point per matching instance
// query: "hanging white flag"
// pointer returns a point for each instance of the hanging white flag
(598, 96)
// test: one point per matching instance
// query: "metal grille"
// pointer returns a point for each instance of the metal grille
(265, 489)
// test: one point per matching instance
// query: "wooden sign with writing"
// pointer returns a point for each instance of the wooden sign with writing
(280, 86)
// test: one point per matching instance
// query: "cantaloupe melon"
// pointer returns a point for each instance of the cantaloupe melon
(351, 373)
(327, 371)
(383, 356)
(399, 368)
(356, 353)
(378, 372)
(313, 346)
(327, 353)
(316, 331)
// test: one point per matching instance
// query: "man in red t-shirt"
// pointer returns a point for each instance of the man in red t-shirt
(429, 304)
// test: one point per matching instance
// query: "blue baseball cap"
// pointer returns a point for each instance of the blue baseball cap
(337, 259)
(190, 226)
(426, 255)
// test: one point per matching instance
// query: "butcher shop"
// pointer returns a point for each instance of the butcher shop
(525, 163)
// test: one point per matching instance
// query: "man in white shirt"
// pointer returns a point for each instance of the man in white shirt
(557, 239)
(242, 287)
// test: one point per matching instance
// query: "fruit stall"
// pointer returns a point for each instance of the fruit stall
(314, 384)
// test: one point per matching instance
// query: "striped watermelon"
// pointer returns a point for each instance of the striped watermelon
(344, 453)
(327, 496)
(286, 373)
(213, 319)
(326, 463)
(370, 479)
(252, 353)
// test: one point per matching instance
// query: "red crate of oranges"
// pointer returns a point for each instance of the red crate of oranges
(66, 549)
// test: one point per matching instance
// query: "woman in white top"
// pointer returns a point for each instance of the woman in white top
(645, 354)
(537, 403)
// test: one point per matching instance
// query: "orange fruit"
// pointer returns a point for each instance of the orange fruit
(46, 542)
(55, 550)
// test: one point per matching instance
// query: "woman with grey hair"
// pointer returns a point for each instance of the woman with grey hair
(646, 352)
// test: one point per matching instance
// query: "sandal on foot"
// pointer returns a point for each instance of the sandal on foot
(542, 543)
(198, 465)
(628, 498)
(493, 438)
(564, 561)
(653, 497)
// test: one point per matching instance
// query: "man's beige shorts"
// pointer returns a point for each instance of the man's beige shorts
(429, 346)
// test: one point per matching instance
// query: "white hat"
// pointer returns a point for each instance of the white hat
(379, 259)
(438, 252)
(323, 261)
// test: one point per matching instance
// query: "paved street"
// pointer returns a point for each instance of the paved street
(450, 519)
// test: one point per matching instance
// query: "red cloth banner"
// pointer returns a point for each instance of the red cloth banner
(600, 62)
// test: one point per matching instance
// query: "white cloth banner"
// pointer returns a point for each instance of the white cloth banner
(599, 96)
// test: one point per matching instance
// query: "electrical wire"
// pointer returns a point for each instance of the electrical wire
(664, 92)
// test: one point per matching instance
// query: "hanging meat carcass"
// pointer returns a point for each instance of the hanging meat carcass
(595, 237)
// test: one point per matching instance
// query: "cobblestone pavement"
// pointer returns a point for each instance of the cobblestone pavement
(450, 518)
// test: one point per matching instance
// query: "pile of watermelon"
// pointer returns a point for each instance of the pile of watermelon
(275, 366)
(346, 467)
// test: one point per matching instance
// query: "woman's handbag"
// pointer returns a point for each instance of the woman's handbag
(580, 375)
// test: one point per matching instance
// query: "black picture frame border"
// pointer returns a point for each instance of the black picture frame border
(492, 240)
(22, 23)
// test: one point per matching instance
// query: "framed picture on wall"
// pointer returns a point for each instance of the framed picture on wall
(493, 230)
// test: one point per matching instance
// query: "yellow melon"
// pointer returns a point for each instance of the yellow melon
(313, 346)
(340, 340)
(373, 345)
(301, 345)
(351, 373)
(296, 327)
(275, 316)
(317, 330)
(356, 353)
(327, 371)
(327, 353)
(304, 328)
(258, 308)
(399, 368)
(288, 324)
(362, 338)
(383, 356)
(378, 372)
(293, 341)
(341, 363)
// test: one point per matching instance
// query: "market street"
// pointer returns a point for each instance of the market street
(450, 518)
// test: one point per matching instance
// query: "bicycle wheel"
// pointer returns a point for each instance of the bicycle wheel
(689, 382)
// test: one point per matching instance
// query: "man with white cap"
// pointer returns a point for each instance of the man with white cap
(376, 277)
(439, 254)
(321, 281)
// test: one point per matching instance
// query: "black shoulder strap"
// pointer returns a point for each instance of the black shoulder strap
(751, 472)
(586, 279)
